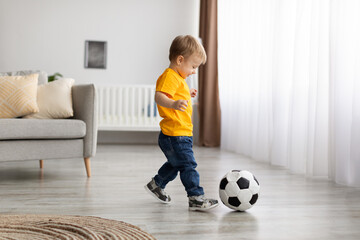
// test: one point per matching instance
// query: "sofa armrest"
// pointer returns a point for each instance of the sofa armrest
(85, 108)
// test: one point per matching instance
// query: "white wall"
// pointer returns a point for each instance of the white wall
(50, 35)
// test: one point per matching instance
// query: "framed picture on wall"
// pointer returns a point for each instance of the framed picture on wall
(95, 54)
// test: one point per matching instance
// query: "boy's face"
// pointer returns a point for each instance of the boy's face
(187, 66)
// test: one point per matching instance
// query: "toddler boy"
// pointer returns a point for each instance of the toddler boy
(173, 98)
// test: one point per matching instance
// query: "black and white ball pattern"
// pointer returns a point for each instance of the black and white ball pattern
(239, 190)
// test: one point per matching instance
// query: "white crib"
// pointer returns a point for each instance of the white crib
(130, 107)
(127, 108)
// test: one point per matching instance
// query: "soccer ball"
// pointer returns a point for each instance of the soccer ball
(239, 190)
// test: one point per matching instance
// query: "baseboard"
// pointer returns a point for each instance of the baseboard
(127, 137)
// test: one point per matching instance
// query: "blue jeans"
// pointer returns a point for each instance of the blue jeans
(180, 158)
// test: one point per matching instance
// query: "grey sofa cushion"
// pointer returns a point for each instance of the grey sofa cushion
(43, 76)
(20, 129)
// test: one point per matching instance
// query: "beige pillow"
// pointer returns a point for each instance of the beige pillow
(54, 99)
(18, 95)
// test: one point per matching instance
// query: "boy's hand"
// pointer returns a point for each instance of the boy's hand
(180, 105)
(193, 92)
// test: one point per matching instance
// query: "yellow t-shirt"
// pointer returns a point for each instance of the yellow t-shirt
(175, 122)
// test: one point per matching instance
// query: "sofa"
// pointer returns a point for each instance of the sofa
(42, 139)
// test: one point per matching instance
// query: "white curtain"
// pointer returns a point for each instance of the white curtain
(289, 72)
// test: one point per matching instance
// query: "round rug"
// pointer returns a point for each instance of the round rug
(67, 228)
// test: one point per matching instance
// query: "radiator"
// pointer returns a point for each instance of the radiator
(127, 108)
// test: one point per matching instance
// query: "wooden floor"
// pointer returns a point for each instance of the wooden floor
(289, 206)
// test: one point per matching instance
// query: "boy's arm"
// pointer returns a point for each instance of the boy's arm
(193, 92)
(163, 100)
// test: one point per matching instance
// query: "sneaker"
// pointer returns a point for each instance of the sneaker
(200, 203)
(157, 192)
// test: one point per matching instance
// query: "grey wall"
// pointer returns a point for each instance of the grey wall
(50, 35)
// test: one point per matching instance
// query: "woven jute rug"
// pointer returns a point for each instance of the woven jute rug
(48, 227)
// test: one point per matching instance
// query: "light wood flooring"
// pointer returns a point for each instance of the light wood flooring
(289, 206)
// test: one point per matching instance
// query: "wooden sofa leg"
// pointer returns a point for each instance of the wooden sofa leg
(41, 164)
(87, 166)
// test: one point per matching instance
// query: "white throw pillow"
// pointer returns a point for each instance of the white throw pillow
(54, 100)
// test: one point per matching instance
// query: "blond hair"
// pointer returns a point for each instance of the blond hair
(186, 46)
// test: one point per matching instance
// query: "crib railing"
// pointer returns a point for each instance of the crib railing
(127, 108)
